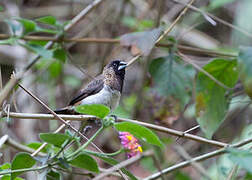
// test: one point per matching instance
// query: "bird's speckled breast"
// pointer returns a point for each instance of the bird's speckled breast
(106, 96)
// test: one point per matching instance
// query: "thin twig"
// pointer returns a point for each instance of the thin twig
(182, 152)
(166, 31)
(175, 21)
(188, 60)
(151, 126)
(183, 48)
(66, 123)
(197, 159)
(11, 142)
(217, 19)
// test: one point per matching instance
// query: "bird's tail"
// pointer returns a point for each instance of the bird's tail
(65, 110)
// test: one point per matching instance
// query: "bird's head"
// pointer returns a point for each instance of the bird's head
(114, 73)
(117, 67)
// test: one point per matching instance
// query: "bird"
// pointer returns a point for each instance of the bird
(105, 89)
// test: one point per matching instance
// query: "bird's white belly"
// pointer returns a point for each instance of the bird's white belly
(106, 96)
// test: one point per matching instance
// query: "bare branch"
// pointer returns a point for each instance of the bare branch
(197, 159)
(173, 132)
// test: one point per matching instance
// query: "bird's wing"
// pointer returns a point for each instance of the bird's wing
(92, 88)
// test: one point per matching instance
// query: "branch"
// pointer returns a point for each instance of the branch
(183, 48)
(166, 31)
(197, 159)
(173, 132)
(188, 60)
(13, 81)
(175, 21)
(217, 19)
(122, 164)
(66, 123)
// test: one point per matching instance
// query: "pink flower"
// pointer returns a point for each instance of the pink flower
(130, 143)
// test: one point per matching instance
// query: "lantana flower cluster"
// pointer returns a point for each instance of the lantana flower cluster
(130, 143)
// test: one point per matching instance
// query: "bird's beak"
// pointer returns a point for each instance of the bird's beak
(122, 65)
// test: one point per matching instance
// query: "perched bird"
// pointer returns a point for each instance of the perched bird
(105, 89)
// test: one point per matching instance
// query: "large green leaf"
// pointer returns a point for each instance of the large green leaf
(245, 69)
(241, 157)
(211, 100)
(140, 132)
(172, 78)
(21, 161)
(111, 161)
(85, 161)
(97, 110)
(57, 139)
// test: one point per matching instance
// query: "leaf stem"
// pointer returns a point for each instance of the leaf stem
(86, 143)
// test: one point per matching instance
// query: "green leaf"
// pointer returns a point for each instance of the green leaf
(5, 166)
(53, 175)
(60, 54)
(140, 132)
(1, 8)
(21, 161)
(97, 110)
(55, 69)
(111, 161)
(245, 64)
(172, 78)
(57, 139)
(51, 20)
(212, 101)
(8, 177)
(36, 145)
(45, 53)
(85, 161)
(241, 157)
(28, 25)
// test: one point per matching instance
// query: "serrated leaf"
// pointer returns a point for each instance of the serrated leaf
(171, 78)
(28, 25)
(139, 132)
(111, 161)
(51, 20)
(241, 157)
(245, 64)
(85, 161)
(57, 139)
(60, 54)
(97, 110)
(211, 100)
(21, 161)
(141, 43)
